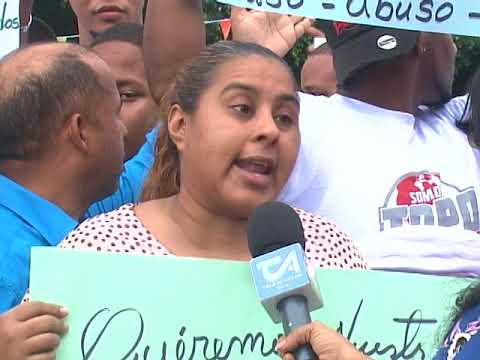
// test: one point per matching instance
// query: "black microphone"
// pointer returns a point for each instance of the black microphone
(276, 241)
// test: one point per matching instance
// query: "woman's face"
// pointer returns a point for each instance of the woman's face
(240, 145)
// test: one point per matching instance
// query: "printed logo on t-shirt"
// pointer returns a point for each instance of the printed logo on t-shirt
(423, 198)
(459, 337)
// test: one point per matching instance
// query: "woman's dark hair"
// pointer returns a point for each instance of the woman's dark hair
(189, 84)
(467, 299)
(470, 122)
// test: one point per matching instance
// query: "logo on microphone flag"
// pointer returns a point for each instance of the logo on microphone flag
(279, 271)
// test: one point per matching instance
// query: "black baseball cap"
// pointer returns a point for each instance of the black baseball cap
(356, 46)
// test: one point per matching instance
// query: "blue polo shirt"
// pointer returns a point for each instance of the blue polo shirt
(26, 220)
(131, 181)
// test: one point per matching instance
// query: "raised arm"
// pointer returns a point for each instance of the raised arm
(276, 32)
(174, 33)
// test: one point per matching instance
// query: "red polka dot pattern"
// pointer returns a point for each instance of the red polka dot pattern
(326, 246)
(121, 231)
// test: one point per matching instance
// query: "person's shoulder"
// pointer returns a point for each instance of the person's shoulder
(319, 117)
(16, 235)
(9, 249)
(312, 107)
(319, 224)
(452, 112)
(112, 217)
(457, 105)
(328, 246)
(16, 242)
(119, 231)
(100, 227)
(309, 99)
(11, 221)
(307, 216)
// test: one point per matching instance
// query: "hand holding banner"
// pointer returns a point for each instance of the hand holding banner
(461, 17)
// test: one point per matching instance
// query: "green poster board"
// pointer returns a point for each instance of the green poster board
(154, 308)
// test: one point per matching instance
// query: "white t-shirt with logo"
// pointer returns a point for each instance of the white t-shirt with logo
(404, 187)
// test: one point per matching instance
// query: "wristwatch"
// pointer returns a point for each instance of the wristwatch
(25, 28)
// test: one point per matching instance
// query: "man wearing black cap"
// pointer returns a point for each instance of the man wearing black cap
(398, 175)
(398, 69)
(384, 157)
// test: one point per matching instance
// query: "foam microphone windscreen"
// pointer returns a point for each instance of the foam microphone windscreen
(272, 226)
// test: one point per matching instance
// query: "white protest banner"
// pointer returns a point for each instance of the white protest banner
(461, 17)
(9, 26)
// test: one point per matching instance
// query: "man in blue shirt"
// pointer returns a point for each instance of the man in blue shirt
(162, 63)
(27, 220)
(131, 182)
(61, 149)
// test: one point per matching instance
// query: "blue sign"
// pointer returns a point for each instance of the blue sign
(461, 17)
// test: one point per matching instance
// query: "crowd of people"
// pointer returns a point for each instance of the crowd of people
(144, 140)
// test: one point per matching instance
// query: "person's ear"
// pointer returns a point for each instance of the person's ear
(78, 130)
(177, 123)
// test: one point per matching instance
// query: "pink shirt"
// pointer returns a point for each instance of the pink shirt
(121, 231)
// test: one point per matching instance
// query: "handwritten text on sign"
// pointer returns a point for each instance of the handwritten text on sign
(154, 308)
(461, 17)
(100, 334)
(9, 26)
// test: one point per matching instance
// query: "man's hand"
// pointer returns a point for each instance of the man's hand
(31, 331)
(277, 32)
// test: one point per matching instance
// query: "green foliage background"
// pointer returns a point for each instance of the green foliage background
(59, 15)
